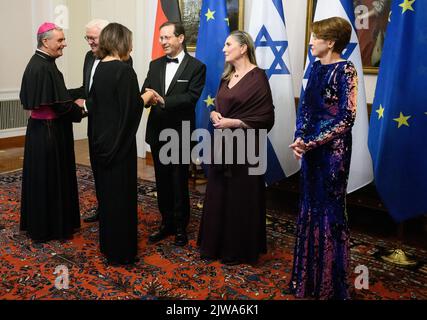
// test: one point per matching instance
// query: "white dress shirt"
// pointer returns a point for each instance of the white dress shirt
(172, 68)
(92, 72)
(95, 64)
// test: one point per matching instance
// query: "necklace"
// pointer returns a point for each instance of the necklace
(236, 75)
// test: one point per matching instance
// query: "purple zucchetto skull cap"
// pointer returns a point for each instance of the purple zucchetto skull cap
(45, 27)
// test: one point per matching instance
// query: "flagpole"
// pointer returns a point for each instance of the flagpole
(398, 256)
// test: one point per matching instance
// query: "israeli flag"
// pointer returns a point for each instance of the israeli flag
(268, 29)
(361, 170)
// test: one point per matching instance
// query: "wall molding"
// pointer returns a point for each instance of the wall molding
(9, 94)
(15, 132)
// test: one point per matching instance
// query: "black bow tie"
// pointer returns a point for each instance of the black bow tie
(175, 60)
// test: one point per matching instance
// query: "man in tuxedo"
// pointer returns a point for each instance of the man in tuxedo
(177, 80)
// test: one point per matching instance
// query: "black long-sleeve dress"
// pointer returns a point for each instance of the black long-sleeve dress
(116, 111)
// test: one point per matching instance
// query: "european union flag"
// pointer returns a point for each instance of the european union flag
(398, 126)
(213, 32)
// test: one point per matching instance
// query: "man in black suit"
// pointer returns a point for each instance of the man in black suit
(177, 80)
(93, 31)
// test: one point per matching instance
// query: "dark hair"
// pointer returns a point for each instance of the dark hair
(335, 29)
(179, 28)
(115, 39)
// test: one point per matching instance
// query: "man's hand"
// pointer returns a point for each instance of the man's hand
(80, 102)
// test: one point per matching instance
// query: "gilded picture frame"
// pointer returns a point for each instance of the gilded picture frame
(190, 16)
(371, 22)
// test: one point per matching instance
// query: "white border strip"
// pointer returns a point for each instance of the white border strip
(9, 94)
(15, 132)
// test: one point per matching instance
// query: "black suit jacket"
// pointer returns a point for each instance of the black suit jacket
(83, 91)
(180, 99)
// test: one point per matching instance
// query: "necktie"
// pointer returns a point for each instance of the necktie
(168, 60)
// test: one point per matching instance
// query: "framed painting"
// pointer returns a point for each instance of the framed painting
(190, 16)
(372, 17)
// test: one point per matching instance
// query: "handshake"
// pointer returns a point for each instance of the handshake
(81, 104)
(152, 98)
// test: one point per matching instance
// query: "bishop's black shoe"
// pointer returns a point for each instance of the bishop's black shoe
(181, 238)
(2, 227)
(160, 234)
(230, 262)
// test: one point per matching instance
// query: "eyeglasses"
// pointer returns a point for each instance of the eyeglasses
(166, 38)
(90, 39)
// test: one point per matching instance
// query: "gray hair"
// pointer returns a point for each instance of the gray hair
(97, 23)
(45, 35)
(243, 38)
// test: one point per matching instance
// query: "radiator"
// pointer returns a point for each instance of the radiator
(12, 115)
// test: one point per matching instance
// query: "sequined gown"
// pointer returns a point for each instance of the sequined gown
(326, 116)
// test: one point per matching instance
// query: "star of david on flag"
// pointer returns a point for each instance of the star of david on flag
(268, 29)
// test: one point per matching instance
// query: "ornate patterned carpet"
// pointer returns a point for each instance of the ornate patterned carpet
(165, 271)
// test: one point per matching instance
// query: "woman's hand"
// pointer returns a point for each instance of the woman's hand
(299, 148)
(215, 117)
(149, 98)
(157, 97)
(227, 123)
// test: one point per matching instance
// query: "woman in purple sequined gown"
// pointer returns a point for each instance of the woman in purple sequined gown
(323, 142)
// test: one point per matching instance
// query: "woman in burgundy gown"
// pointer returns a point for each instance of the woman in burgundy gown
(233, 223)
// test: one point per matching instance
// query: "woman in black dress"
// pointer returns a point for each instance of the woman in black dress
(233, 223)
(115, 106)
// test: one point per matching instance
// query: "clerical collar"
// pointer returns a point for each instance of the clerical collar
(180, 56)
(44, 55)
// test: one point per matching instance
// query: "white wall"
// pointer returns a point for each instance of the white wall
(16, 44)
(137, 16)
(21, 18)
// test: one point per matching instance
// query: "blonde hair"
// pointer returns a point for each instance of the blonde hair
(243, 38)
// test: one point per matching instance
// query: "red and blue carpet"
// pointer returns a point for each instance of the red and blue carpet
(165, 271)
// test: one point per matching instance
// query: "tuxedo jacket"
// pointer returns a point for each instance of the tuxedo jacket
(180, 99)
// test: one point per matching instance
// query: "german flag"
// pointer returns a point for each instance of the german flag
(167, 10)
